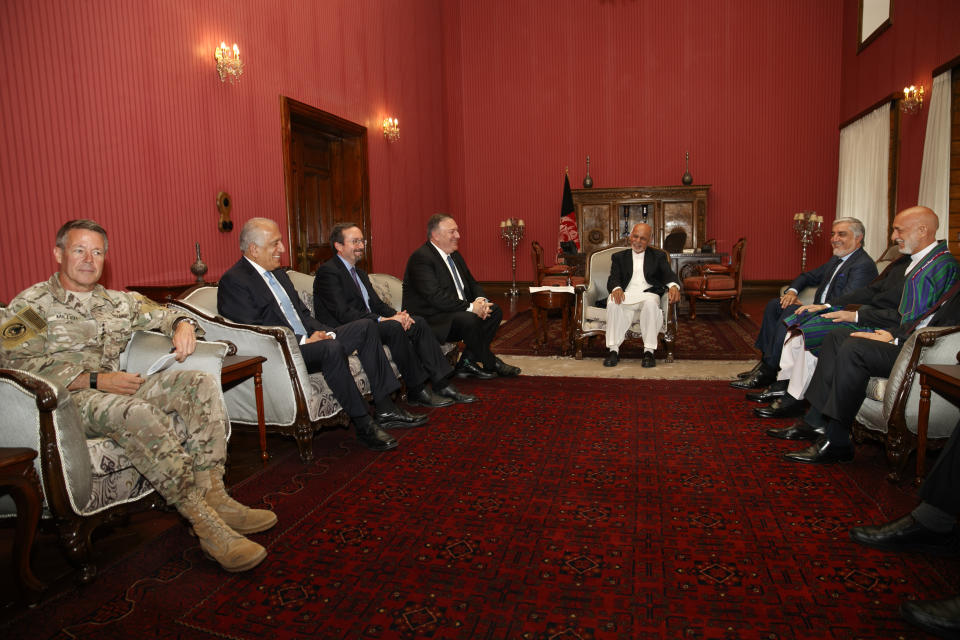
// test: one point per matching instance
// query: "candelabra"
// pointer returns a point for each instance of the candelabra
(229, 64)
(806, 225)
(511, 230)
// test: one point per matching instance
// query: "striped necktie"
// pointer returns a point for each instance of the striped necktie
(293, 319)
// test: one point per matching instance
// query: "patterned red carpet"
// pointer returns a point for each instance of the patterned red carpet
(708, 337)
(625, 510)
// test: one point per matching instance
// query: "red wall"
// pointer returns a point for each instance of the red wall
(749, 88)
(924, 35)
(113, 110)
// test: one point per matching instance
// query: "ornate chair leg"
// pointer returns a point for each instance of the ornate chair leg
(693, 307)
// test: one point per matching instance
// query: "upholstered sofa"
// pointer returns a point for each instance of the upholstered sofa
(85, 482)
(296, 403)
(889, 413)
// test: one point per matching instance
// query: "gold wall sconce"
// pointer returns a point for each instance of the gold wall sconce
(391, 129)
(229, 63)
(912, 100)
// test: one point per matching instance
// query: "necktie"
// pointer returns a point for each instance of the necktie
(363, 292)
(835, 265)
(456, 278)
(291, 314)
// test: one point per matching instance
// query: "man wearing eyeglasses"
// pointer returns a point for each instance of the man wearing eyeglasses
(342, 292)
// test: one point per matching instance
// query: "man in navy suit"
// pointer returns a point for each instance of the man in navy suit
(638, 277)
(438, 286)
(849, 269)
(256, 291)
(342, 293)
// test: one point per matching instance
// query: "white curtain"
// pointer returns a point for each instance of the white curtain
(935, 171)
(862, 183)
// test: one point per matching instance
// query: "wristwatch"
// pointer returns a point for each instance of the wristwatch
(186, 319)
(93, 379)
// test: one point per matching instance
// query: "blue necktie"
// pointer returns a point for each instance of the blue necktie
(363, 292)
(291, 314)
(456, 277)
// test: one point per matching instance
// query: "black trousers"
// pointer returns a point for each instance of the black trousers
(329, 357)
(941, 488)
(415, 351)
(845, 365)
(773, 332)
(476, 334)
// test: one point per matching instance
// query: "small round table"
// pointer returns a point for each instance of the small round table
(543, 301)
(19, 479)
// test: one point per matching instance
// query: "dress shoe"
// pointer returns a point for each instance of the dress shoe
(904, 534)
(939, 617)
(747, 374)
(451, 393)
(427, 398)
(467, 367)
(612, 359)
(398, 417)
(375, 438)
(777, 390)
(505, 370)
(786, 406)
(648, 360)
(822, 452)
(799, 430)
(761, 378)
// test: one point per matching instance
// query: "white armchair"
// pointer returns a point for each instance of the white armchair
(85, 481)
(889, 413)
(591, 320)
(295, 403)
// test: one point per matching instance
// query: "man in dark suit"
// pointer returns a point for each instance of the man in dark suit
(638, 277)
(438, 286)
(849, 269)
(342, 293)
(256, 291)
(839, 384)
(929, 528)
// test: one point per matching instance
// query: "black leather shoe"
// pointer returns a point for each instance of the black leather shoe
(764, 376)
(612, 359)
(505, 370)
(799, 430)
(427, 398)
(747, 374)
(467, 367)
(822, 452)
(451, 393)
(398, 417)
(376, 438)
(939, 617)
(648, 360)
(904, 534)
(786, 406)
(777, 390)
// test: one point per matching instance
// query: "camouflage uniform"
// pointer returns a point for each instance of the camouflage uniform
(50, 331)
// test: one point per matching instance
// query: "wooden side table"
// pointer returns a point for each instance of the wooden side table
(19, 478)
(235, 370)
(543, 301)
(945, 380)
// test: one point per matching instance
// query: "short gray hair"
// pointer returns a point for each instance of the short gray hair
(254, 232)
(83, 223)
(855, 225)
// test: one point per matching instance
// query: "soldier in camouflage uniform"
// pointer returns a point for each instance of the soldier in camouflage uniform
(71, 330)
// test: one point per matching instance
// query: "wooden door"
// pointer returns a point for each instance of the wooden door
(326, 175)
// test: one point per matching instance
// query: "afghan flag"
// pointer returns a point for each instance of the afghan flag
(568, 216)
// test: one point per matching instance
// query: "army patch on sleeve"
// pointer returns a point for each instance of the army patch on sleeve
(19, 328)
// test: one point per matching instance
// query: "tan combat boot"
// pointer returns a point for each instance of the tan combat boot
(238, 517)
(223, 544)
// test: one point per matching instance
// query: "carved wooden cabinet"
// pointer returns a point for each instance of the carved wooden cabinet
(606, 215)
